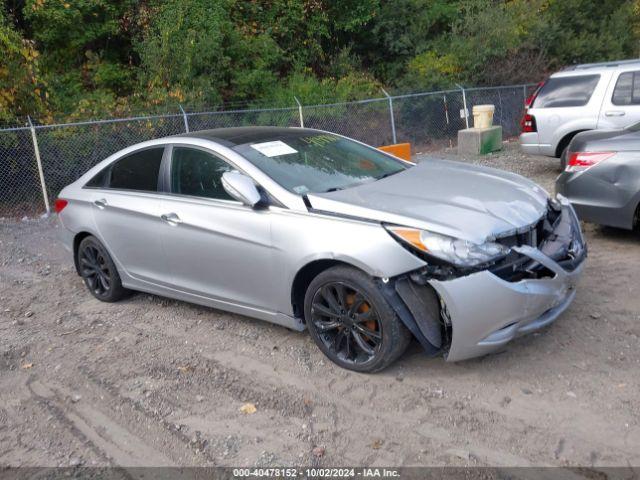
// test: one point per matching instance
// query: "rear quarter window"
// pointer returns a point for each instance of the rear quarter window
(137, 171)
(566, 91)
(627, 89)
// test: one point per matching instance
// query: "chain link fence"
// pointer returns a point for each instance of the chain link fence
(36, 162)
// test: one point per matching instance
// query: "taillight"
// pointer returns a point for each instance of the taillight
(529, 101)
(59, 205)
(528, 123)
(579, 161)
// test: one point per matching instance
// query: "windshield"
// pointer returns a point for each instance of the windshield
(307, 162)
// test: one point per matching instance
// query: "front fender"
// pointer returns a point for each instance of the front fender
(302, 238)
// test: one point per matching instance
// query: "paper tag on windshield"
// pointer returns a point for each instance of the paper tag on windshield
(273, 149)
(301, 189)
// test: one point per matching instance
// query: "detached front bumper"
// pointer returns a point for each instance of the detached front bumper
(486, 311)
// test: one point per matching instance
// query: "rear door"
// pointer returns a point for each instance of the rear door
(621, 106)
(215, 246)
(126, 209)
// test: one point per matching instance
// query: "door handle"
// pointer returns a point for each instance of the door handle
(614, 113)
(100, 203)
(171, 218)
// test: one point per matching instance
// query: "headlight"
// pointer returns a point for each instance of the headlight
(461, 253)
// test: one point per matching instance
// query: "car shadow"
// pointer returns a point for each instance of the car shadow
(612, 233)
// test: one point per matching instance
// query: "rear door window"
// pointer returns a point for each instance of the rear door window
(566, 91)
(137, 171)
(627, 89)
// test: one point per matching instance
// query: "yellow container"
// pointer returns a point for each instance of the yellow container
(483, 116)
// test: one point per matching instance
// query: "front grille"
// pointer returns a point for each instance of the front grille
(535, 234)
(529, 237)
(515, 266)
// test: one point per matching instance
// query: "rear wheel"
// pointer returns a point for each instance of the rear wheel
(98, 271)
(351, 322)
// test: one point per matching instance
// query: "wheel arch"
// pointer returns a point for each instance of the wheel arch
(304, 277)
(76, 244)
(564, 141)
(412, 311)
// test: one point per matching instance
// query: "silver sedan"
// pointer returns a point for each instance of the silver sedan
(308, 229)
(602, 176)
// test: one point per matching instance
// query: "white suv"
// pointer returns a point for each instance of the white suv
(581, 97)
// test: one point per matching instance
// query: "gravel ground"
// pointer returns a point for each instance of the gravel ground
(151, 381)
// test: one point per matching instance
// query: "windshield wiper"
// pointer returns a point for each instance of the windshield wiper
(385, 175)
(370, 180)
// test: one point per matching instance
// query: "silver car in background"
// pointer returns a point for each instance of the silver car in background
(579, 98)
(308, 229)
(602, 177)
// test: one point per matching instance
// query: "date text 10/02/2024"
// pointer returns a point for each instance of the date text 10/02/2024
(316, 472)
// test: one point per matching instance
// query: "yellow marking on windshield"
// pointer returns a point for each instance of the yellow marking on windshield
(319, 140)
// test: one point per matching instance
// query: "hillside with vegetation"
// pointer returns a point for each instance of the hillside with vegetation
(65, 60)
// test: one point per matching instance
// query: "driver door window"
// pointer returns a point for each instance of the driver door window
(198, 173)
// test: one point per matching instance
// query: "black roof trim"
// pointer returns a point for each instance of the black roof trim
(231, 137)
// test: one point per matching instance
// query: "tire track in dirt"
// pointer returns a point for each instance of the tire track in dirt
(154, 418)
(344, 404)
(46, 399)
(224, 381)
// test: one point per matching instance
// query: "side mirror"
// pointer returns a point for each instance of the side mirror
(241, 188)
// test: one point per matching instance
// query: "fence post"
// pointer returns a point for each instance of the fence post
(36, 150)
(393, 120)
(446, 108)
(464, 105)
(299, 111)
(184, 117)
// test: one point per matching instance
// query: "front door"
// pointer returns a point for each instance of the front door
(215, 246)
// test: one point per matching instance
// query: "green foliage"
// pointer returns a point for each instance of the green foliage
(583, 30)
(86, 51)
(21, 90)
(312, 91)
(93, 58)
(401, 30)
(522, 40)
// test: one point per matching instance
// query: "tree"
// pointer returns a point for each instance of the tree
(95, 58)
(87, 57)
(192, 52)
(21, 90)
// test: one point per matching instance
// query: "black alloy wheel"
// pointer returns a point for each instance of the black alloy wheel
(351, 322)
(347, 323)
(98, 271)
(95, 270)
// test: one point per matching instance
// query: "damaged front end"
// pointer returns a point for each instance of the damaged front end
(468, 312)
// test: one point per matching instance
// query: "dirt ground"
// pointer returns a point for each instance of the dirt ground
(151, 381)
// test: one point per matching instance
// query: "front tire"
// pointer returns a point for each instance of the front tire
(351, 322)
(98, 271)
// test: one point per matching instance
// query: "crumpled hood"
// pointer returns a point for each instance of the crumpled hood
(457, 199)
